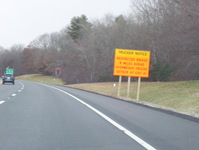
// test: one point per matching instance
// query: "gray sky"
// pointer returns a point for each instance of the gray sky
(21, 21)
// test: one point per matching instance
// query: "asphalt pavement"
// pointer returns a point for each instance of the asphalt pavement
(47, 117)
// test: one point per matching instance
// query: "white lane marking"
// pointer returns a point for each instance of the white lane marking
(22, 86)
(120, 127)
(13, 95)
(1, 102)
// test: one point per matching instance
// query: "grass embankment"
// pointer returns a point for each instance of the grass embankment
(179, 96)
(41, 79)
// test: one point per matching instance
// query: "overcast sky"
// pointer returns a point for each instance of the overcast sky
(21, 21)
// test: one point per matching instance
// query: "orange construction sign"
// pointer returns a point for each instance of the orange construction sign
(132, 63)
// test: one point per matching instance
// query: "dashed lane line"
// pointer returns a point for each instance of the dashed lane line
(1, 102)
(13, 95)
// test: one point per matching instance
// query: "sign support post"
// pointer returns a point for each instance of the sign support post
(138, 89)
(119, 85)
(128, 87)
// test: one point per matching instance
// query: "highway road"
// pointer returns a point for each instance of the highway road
(36, 116)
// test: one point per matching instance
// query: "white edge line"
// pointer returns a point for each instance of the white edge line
(1, 102)
(127, 132)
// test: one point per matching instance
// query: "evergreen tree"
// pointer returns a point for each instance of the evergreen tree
(77, 27)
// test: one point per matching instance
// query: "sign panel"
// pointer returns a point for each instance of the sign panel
(132, 63)
(57, 71)
(9, 71)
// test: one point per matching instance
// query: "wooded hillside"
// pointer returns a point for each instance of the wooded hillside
(84, 50)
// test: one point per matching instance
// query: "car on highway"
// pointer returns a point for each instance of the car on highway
(8, 78)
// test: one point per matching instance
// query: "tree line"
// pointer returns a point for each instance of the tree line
(84, 50)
